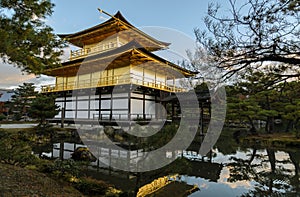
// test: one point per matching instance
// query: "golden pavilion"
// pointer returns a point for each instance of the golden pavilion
(113, 74)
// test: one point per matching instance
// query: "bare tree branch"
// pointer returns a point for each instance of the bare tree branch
(257, 31)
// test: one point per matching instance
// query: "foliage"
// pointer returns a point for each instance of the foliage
(2, 117)
(21, 100)
(65, 168)
(43, 107)
(162, 137)
(240, 108)
(89, 186)
(25, 39)
(14, 150)
(70, 170)
(250, 100)
(256, 32)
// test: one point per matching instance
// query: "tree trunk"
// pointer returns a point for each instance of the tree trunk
(253, 129)
(288, 126)
(272, 126)
(272, 160)
(295, 158)
(252, 157)
(267, 125)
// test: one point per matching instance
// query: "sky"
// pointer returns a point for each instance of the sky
(70, 16)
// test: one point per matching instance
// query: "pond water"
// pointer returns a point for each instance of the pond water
(228, 170)
(252, 172)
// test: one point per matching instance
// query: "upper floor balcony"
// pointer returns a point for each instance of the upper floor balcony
(99, 48)
(112, 81)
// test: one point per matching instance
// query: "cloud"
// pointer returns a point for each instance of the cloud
(11, 77)
(102, 18)
(225, 174)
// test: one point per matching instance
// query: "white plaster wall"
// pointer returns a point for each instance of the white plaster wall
(82, 114)
(150, 107)
(120, 104)
(94, 114)
(94, 104)
(59, 99)
(136, 95)
(136, 106)
(93, 97)
(105, 104)
(70, 114)
(70, 105)
(149, 97)
(117, 95)
(105, 96)
(82, 97)
(82, 104)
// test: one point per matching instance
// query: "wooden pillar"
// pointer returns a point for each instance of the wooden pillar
(144, 105)
(89, 104)
(111, 105)
(91, 80)
(56, 83)
(129, 104)
(143, 82)
(155, 84)
(63, 85)
(107, 77)
(77, 85)
(61, 150)
(113, 76)
(156, 109)
(174, 84)
(76, 104)
(63, 111)
(99, 106)
(66, 83)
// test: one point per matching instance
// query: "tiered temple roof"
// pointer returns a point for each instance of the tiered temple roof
(113, 44)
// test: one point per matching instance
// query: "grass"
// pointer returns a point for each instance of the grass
(17, 181)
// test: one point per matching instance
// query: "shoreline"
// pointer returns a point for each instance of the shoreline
(273, 140)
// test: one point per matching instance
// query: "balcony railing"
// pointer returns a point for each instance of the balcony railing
(112, 81)
(100, 48)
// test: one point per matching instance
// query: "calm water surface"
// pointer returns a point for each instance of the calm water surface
(233, 171)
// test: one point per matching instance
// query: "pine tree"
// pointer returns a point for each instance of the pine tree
(43, 107)
(22, 99)
(25, 40)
